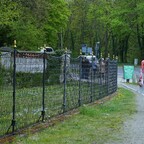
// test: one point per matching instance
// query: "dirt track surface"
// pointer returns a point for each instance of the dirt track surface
(133, 128)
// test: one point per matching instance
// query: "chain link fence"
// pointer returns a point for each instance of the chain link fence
(37, 86)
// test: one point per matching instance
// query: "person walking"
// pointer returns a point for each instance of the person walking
(85, 68)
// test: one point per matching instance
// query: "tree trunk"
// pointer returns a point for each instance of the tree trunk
(140, 37)
(106, 44)
(72, 41)
(126, 48)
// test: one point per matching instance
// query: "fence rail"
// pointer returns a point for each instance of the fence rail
(34, 89)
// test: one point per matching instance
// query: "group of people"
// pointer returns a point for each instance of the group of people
(93, 65)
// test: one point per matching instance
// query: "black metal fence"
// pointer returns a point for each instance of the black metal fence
(37, 87)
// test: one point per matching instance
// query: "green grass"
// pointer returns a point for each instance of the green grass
(29, 103)
(94, 124)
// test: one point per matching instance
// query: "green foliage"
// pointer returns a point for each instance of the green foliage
(8, 12)
(60, 52)
(28, 36)
(33, 23)
(28, 80)
(2, 74)
(117, 25)
(5, 76)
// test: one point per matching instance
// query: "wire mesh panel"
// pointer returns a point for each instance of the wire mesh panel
(28, 89)
(54, 88)
(72, 83)
(112, 78)
(103, 78)
(6, 91)
(96, 83)
(85, 82)
(95, 79)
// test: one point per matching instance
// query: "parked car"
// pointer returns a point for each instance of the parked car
(48, 50)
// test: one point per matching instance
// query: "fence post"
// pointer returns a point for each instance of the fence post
(43, 93)
(64, 95)
(14, 89)
(100, 80)
(80, 75)
(92, 79)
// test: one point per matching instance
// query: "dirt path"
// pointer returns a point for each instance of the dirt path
(133, 130)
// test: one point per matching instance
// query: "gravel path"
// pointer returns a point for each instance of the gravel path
(133, 131)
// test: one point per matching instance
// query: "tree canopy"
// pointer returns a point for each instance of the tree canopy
(117, 24)
(32, 23)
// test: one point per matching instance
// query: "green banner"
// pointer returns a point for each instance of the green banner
(128, 72)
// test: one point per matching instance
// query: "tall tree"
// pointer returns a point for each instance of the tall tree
(9, 13)
(33, 23)
(140, 26)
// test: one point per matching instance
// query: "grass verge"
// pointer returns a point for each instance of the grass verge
(95, 124)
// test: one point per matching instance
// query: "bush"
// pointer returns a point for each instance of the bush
(27, 80)
(5, 76)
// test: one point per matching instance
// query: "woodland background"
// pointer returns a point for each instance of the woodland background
(117, 24)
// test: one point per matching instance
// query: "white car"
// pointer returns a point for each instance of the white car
(48, 50)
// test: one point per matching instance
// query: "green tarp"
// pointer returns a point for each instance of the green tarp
(128, 72)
